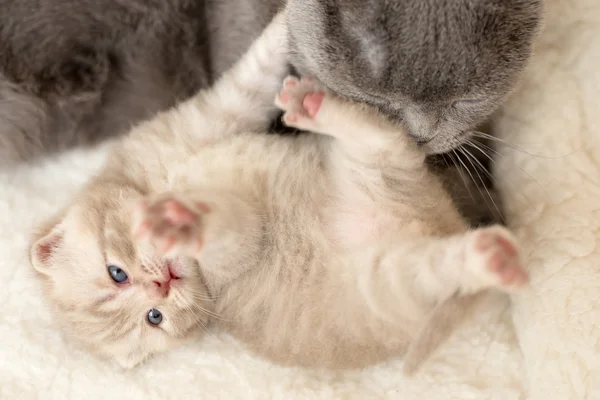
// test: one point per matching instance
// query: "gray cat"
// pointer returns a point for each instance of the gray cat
(77, 71)
(442, 66)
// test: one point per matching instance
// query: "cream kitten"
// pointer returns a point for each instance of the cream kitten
(331, 249)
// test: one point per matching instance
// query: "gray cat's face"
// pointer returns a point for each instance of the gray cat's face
(440, 66)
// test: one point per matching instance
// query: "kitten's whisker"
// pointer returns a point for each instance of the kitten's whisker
(205, 310)
(202, 295)
(200, 322)
(206, 330)
(210, 313)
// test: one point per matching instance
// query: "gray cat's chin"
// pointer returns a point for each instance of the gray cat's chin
(443, 144)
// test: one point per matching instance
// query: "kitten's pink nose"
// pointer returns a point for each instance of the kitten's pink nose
(162, 288)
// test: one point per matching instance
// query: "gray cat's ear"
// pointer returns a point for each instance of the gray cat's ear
(45, 243)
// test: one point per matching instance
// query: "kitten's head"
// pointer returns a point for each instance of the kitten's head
(441, 66)
(114, 297)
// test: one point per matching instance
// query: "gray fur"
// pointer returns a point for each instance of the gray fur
(75, 72)
(418, 59)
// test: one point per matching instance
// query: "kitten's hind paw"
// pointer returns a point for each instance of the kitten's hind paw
(493, 256)
(301, 100)
(173, 226)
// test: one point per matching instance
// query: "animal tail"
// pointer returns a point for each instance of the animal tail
(441, 323)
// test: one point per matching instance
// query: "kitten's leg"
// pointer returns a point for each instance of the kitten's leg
(219, 229)
(376, 302)
(360, 129)
(439, 276)
(431, 270)
(243, 97)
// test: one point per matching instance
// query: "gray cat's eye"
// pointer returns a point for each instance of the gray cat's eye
(117, 274)
(154, 316)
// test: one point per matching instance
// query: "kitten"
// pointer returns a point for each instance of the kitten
(74, 72)
(336, 249)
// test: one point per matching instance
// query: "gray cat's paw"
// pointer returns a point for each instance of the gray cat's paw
(173, 226)
(301, 100)
(492, 258)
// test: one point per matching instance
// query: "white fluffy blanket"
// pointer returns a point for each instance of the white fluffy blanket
(550, 175)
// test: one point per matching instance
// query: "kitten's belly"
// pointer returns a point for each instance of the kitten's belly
(354, 221)
(352, 226)
(288, 174)
(244, 158)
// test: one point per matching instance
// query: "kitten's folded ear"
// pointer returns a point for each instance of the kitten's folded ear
(46, 240)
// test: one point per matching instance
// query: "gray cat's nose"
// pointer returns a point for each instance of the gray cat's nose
(421, 140)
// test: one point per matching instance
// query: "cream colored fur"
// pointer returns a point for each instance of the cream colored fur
(336, 249)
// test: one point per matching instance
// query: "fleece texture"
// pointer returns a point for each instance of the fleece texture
(540, 344)
(549, 176)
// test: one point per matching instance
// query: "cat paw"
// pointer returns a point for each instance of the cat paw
(301, 100)
(174, 227)
(493, 256)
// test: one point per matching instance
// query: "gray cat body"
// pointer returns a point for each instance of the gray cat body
(75, 72)
(78, 71)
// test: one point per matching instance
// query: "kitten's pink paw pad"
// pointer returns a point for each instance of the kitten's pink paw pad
(496, 255)
(178, 214)
(300, 99)
(169, 223)
(290, 82)
(312, 103)
(290, 118)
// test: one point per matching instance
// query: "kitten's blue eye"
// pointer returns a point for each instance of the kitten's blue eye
(154, 316)
(117, 274)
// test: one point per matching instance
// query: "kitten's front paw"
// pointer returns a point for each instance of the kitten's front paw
(301, 100)
(493, 256)
(171, 225)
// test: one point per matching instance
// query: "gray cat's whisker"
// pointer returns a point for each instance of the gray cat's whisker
(454, 157)
(478, 146)
(507, 179)
(480, 180)
(514, 163)
(520, 149)
(480, 167)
